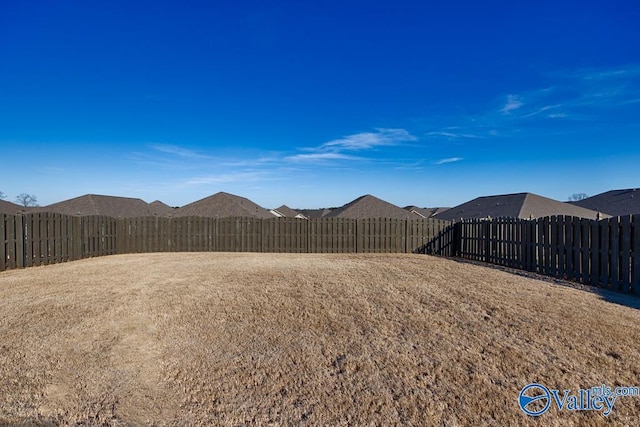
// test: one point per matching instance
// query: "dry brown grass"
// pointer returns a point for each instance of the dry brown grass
(271, 339)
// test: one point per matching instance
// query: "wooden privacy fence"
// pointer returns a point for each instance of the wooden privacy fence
(46, 238)
(603, 253)
(242, 234)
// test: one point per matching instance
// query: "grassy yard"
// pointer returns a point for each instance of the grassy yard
(282, 339)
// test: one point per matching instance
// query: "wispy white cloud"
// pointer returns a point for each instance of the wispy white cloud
(314, 157)
(541, 110)
(598, 88)
(592, 97)
(341, 149)
(513, 102)
(170, 157)
(178, 151)
(600, 74)
(448, 160)
(246, 176)
(453, 135)
(366, 140)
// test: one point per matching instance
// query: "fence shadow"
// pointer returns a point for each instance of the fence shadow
(444, 243)
(606, 294)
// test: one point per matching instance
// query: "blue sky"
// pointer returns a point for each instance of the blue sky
(313, 104)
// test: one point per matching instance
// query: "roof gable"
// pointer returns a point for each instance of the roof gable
(315, 213)
(536, 206)
(614, 202)
(223, 205)
(11, 208)
(96, 204)
(518, 205)
(506, 205)
(159, 208)
(425, 212)
(287, 212)
(368, 206)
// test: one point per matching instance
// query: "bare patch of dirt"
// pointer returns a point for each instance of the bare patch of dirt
(311, 339)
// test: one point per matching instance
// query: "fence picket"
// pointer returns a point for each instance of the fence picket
(3, 241)
(594, 277)
(614, 268)
(605, 261)
(634, 231)
(625, 252)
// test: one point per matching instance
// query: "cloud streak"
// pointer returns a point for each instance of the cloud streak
(367, 140)
(591, 97)
(315, 157)
(178, 151)
(343, 148)
(513, 103)
(231, 177)
(452, 135)
(448, 160)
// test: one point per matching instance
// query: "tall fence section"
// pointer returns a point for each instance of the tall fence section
(47, 238)
(604, 253)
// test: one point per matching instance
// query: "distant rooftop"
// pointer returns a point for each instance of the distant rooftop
(95, 204)
(159, 208)
(11, 208)
(614, 202)
(221, 205)
(368, 206)
(425, 212)
(519, 205)
(314, 213)
(285, 211)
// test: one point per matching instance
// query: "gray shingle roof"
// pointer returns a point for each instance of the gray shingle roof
(222, 205)
(519, 205)
(425, 212)
(11, 208)
(287, 212)
(95, 204)
(159, 208)
(315, 213)
(368, 206)
(614, 202)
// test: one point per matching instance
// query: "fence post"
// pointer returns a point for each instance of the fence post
(625, 252)
(594, 277)
(635, 277)
(457, 236)
(3, 238)
(20, 241)
(486, 243)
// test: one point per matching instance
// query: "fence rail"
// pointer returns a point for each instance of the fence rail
(46, 238)
(604, 253)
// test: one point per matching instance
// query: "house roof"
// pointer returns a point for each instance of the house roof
(159, 208)
(287, 212)
(315, 213)
(368, 206)
(11, 208)
(95, 204)
(222, 205)
(614, 202)
(519, 205)
(425, 212)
